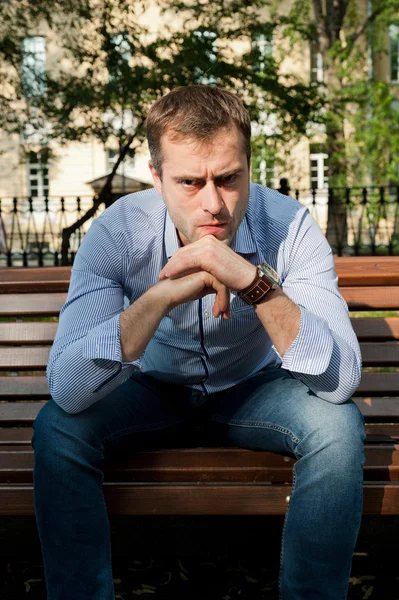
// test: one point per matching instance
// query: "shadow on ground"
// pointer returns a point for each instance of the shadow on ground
(199, 559)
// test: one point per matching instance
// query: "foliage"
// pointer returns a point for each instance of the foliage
(361, 121)
(111, 66)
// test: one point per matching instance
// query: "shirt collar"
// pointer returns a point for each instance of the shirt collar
(242, 242)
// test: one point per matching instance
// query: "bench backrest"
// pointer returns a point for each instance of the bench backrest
(27, 296)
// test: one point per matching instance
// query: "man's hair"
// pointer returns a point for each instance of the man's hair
(196, 113)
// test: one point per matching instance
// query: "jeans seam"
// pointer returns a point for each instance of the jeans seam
(283, 533)
(258, 424)
(140, 428)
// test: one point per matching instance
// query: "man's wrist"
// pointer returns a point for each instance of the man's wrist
(248, 279)
(159, 293)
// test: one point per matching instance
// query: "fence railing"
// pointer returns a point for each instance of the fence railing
(357, 220)
(33, 229)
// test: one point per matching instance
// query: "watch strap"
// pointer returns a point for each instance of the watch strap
(256, 291)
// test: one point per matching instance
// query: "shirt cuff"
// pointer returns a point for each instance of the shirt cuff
(310, 353)
(103, 342)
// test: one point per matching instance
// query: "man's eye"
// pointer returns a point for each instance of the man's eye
(187, 182)
(229, 179)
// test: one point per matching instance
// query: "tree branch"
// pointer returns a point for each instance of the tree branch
(320, 17)
(102, 197)
(360, 30)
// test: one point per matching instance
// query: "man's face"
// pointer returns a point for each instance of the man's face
(205, 187)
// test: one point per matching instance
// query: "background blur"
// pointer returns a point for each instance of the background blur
(320, 79)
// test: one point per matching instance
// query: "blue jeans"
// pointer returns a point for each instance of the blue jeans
(268, 411)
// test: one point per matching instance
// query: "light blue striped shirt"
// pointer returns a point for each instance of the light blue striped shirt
(121, 257)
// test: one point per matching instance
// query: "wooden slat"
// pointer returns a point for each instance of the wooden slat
(24, 386)
(15, 436)
(380, 354)
(28, 280)
(382, 432)
(201, 465)
(19, 412)
(379, 407)
(376, 433)
(376, 328)
(358, 270)
(26, 412)
(379, 384)
(367, 270)
(377, 298)
(257, 499)
(31, 304)
(24, 358)
(28, 333)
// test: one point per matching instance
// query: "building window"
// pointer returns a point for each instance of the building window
(38, 182)
(126, 167)
(206, 39)
(394, 53)
(262, 46)
(316, 63)
(318, 168)
(34, 66)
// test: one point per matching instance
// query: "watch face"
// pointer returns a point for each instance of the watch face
(269, 272)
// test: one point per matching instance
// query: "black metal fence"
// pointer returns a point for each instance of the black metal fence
(33, 229)
(356, 221)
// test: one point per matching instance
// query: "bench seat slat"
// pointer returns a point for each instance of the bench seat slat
(33, 279)
(373, 354)
(19, 412)
(23, 358)
(26, 412)
(381, 354)
(201, 465)
(386, 384)
(377, 328)
(31, 386)
(43, 332)
(381, 432)
(256, 499)
(373, 298)
(367, 270)
(380, 298)
(24, 386)
(28, 333)
(379, 407)
(31, 304)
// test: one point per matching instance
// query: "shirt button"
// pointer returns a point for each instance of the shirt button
(206, 314)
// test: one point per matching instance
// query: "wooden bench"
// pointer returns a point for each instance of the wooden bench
(194, 481)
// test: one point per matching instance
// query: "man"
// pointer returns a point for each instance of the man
(235, 319)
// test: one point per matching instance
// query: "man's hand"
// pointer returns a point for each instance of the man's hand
(213, 257)
(193, 286)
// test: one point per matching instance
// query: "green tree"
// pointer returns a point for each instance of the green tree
(111, 67)
(349, 35)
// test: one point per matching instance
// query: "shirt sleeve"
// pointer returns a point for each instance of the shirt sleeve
(325, 355)
(85, 362)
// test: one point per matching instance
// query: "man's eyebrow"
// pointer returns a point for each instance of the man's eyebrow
(199, 178)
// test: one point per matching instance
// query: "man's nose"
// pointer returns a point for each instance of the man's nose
(211, 198)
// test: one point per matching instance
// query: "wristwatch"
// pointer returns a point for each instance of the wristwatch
(266, 280)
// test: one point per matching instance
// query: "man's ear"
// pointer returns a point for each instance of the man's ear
(155, 177)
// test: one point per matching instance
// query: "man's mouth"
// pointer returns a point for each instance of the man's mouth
(215, 225)
(213, 229)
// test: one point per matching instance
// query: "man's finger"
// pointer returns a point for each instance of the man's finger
(221, 306)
